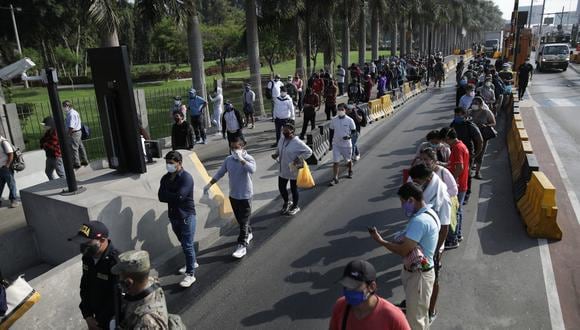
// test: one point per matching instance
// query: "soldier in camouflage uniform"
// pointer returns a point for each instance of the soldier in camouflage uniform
(143, 305)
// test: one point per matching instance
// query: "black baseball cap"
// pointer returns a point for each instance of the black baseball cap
(89, 231)
(356, 273)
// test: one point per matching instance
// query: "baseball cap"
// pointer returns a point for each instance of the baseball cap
(48, 121)
(89, 231)
(356, 273)
(134, 261)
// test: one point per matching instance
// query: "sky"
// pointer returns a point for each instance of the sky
(507, 6)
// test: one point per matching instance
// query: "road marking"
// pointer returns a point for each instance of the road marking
(551, 290)
(562, 102)
(473, 241)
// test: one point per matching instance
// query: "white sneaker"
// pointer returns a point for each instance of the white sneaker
(240, 252)
(250, 237)
(187, 281)
(182, 269)
(357, 157)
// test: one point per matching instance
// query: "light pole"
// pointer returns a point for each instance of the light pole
(11, 8)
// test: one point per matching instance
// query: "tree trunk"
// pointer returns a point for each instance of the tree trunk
(254, 54)
(375, 27)
(409, 48)
(330, 47)
(403, 37)
(299, 45)
(110, 39)
(308, 47)
(346, 45)
(394, 38)
(362, 42)
(195, 45)
(77, 50)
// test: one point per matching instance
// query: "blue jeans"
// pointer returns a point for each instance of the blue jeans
(453, 236)
(7, 177)
(184, 229)
(354, 139)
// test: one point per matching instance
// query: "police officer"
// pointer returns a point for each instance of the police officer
(97, 281)
(143, 305)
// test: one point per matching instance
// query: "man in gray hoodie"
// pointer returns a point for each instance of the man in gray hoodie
(240, 166)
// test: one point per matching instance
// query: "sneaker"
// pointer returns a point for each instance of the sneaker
(184, 268)
(84, 163)
(13, 204)
(250, 238)
(285, 208)
(478, 176)
(357, 157)
(274, 145)
(203, 142)
(333, 182)
(198, 141)
(451, 245)
(460, 238)
(187, 281)
(349, 176)
(240, 252)
(294, 210)
(432, 317)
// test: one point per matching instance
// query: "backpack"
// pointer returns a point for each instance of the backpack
(269, 90)
(363, 122)
(18, 161)
(85, 132)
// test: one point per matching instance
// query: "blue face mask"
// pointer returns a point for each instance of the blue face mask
(408, 208)
(458, 120)
(354, 297)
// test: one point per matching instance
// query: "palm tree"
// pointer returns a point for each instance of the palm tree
(378, 9)
(104, 14)
(254, 53)
(351, 10)
(362, 41)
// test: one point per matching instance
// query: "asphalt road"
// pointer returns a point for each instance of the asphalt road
(288, 279)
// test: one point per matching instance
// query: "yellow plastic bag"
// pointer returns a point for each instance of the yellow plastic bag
(305, 179)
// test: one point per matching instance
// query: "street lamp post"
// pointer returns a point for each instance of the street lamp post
(11, 8)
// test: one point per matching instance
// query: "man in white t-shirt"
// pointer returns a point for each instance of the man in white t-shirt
(342, 128)
(275, 85)
(434, 194)
(6, 171)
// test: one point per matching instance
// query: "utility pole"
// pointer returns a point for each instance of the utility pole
(17, 37)
(542, 19)
(530, 15)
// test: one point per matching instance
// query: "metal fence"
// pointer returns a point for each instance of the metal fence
(31, 116)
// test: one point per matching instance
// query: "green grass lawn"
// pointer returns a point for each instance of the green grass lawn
(159, 99)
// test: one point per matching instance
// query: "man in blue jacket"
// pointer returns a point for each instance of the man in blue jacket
(176, 189)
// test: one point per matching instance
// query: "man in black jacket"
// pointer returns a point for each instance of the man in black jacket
(97, 282)
(181, 133)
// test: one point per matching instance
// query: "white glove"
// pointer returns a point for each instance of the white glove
(206, 189)
(238, 153)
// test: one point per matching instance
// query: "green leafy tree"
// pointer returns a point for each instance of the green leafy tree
(222, 39)
(170, 42)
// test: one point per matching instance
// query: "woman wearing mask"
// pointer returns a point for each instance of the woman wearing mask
(181, 133)
(218, 107)
(465, 100)
(291, 154)
(485, 121)
(434, 142)
(487, 92)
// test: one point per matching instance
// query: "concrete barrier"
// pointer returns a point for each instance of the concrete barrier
(520, 183)
(387, 105)
(376, 109)
(538, 208)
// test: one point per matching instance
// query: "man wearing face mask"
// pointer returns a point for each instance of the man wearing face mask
(181, 133)
(74, 140)
(143, 304)
(176, 189)
(360, 307)
(342, 128)
(97, 282)
(423, 232)
(525, 74)
(283, 112)
(177, 106)
(232, 123)
(51, 146)
(465, 100)
(487, 92)
(240, 167)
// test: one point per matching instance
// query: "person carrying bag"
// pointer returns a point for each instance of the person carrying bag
(20, 297)
(305, 179)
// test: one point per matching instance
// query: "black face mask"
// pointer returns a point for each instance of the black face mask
(90, 250)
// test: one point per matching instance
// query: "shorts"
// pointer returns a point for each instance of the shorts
(248, 108)
(340, 153)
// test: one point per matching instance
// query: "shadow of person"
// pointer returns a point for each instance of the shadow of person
(119, 223)
(153, 234)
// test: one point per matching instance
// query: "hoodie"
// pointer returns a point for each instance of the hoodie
(284, 107)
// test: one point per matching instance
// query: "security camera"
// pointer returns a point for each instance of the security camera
(16, 69)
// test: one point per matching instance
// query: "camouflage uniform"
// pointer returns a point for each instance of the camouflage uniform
(147, 313)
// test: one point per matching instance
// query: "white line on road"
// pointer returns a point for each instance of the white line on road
(473, 241)
(551, 290)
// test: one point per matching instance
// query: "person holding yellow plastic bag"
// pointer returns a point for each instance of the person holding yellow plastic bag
(290, 154)
(305, 179)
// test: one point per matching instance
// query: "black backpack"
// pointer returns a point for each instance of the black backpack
(18, 161)
(85, 132)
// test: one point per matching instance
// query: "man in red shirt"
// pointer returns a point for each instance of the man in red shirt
(458, 165)
(361, 307)
(51, 146)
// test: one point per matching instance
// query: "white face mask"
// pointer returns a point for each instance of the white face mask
(171, 168)
(341, 113)
(283, 94)
(475, 107)
(488, 84)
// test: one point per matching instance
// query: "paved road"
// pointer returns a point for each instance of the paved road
(288, 280)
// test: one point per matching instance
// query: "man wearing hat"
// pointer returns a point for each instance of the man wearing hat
(49, 143)
(360, 307)
(143, 305)
(97, 282)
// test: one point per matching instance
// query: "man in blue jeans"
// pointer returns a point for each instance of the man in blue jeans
(6, 171)
(176, 189)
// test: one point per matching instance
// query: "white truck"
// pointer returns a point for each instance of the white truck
(493, 41)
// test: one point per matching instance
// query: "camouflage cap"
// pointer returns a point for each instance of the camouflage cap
(134, 261)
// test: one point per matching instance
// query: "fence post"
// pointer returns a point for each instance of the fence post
(12, 129)
(141, 106)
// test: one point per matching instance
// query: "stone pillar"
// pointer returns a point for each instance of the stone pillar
(11, 125)
(141, 106)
